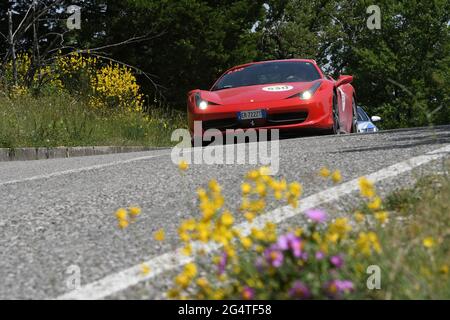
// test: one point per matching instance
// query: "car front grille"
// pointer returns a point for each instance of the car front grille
(228, 123)
(287, 117)
(272, 119)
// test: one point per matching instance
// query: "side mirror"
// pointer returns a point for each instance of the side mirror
(344, 80)
(376, 118)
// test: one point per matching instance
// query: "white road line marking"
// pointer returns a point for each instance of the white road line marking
(122, 280)
(94, 167)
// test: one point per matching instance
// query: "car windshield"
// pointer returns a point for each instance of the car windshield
(362, 115)
(268, 73)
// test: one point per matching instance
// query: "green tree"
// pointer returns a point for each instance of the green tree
(297, 29)
(402, 70)
(199, 40)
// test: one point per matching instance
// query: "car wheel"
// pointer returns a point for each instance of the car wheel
(336, 124)
(354, 117)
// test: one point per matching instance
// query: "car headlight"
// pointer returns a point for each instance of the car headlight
(200, 103)
(305, 95)
(308, 94)
(203, 104)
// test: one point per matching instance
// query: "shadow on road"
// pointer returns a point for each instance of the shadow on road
(408, 139)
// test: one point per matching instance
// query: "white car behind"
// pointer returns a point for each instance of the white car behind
(365, 123)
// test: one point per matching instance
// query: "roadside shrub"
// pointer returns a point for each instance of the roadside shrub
(102, 85)
(44, 80)
(115, 86)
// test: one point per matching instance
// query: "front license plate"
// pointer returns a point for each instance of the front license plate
(250, 115)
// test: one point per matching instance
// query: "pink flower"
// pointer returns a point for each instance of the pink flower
(248, 293)
(283, 242)
(320, 255)
(299, 291)
(222, 263)
(317, 215)
(274, 256)
(336, 288)
(337, 261)
(344, 286)
(290, 241)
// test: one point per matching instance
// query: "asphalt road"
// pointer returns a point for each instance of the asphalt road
(57, 213)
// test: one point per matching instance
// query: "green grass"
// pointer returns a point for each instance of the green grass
(410, 270)
(62, 121)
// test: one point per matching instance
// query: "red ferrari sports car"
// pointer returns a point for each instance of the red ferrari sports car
(282, 94)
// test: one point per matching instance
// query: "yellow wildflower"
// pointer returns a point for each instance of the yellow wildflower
(292, 201)
(202, 282)
(264, 171)
(214, 186)
(428, 242)
(123, 224)
(159, 235)
(333, 237)
(227, 219)
(324, 172)
(188, 225)
(340, 227)
(208, 209)
(173, 293)
(253, 175)
(190, 270)
(183, 165)
(187, 250)
(261, 189)
(257, 205)
(145, 269)
(444, 269)
(236, 232)
(121, 214)
(182, 280)
(184, 236)
(295, 189)
(245, 205)
(202, 195)
(375, 204)
(246, 242)
(219, 295)
(382, 216)
(135, 211)
(366, 242)
(258, 234)
(218, 201)
(259, 248)
(278, 195)
(246, 188)
(359, 217)
(336, 176)
(249, 216)
(366, 188)
(230, 251)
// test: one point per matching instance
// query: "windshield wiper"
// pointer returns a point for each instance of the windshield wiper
(223, 88)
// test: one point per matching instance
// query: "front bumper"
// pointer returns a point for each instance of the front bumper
(289, 114)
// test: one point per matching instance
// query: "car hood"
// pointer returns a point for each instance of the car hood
(259, 93)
